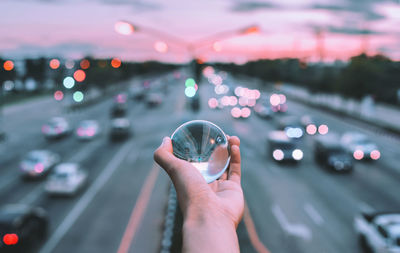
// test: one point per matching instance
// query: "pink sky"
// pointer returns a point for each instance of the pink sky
(73, 29)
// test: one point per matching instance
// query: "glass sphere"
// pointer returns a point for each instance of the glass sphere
(204, 145)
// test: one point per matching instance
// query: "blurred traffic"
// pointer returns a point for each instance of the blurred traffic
(85, 100)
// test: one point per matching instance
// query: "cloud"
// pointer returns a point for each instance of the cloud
(137, 5)
(249, 6)
(352, 31)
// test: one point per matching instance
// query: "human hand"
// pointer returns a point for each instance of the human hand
(221, 200)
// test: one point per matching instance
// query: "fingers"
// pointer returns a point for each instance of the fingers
(235, 163)
(184, 175)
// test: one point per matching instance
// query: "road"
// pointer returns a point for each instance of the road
(295, 208)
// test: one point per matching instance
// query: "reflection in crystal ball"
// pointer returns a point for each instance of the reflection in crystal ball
(204, 145)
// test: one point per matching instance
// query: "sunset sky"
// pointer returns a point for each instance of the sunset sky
(74, 29)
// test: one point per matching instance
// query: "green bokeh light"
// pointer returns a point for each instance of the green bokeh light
(78, 96)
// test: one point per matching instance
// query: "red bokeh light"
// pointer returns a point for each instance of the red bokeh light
(79, 75)
(375, 155)
(54, 64)
(8, 65)
(58, 95)
(323, 129)
(212, 103)
(115, 63)
(358, 154)
(236, 112)
(311, 129)
(245, 112)
(85, 64)
(10, 239)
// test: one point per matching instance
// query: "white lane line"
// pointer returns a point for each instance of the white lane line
(85, 200)
(32, 196)
(298, 230)
(364, 207)
(313, 213)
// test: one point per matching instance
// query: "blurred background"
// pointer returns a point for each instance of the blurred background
(89, 88)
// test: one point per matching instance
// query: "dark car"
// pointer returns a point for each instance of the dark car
(153, 99)
(281, 148)
(292, 127)
(137, 93)
(119, 110)
(329, 152)
(22, 228)
(120, 129)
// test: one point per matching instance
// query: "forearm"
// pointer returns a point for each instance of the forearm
(209, 232)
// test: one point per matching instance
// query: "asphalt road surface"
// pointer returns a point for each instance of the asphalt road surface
(290, 208)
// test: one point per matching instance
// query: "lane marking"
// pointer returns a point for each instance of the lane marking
(252, 232)
(138, 210)
(298, 230)
(85, 200)
(313, 213)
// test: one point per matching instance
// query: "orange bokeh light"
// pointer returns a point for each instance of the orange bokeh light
(79, 75)
(251, 30)
(116, 63)
(8, 65)
(54, 64)
(85, 64)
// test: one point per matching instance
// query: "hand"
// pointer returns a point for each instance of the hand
(211, 212)
(223, 196)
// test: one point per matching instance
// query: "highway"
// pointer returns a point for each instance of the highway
(293, 208)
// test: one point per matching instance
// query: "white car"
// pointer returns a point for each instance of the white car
(87, 129)
(38, 163)
(379, 232)
(56, 127)
(67, 179)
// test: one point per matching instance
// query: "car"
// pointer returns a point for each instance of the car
(87, 129)
(282, 148)
(360, 146)
(120, 129)
(38, 163)
(153, 99)
(67, 179)
(379, 231)
(22, 227)
(56, 127)
(137, 93)
(329, 152)
(120, 98)
(119, 110)
(291, 126)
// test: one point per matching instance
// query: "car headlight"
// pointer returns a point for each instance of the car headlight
(278, 154)
(297, 154)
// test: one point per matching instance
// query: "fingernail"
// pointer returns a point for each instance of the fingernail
(165, 139)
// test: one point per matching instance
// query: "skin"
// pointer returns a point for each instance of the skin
(211, 212)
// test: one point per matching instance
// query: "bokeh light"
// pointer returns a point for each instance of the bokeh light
(358, 154)
(116, 63)
(69, 64)
(79, 75)
(10, 239)
(278, 155)
(124, 28)
(190, 91)
(68, 82)
(8, 65)
(236, 112)
(297, 154)
(245, 112)
(58, 95)
(161, 46)
(54, 64)
(213, 103)
(311, 129)
(375, 154)
(323, 129)
(78, 96)
(275, 100)
(190, 82)
(85, 64)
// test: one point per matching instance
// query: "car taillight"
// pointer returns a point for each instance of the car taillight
(358, 154)
(80, 131)
(10, 239)
(375, 154)
(45, 129)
